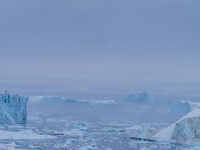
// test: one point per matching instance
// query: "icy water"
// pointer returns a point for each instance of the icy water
(70, 135)
(76, 135)
(57, 125)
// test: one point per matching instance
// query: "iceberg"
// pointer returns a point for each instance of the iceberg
(185, 130)
(139, 97)
(144, 98)
(13, 109)
(57, 99)
(180, 106)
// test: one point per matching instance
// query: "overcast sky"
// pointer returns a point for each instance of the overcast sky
(86, 44)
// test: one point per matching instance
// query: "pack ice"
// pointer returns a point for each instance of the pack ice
(13, 109)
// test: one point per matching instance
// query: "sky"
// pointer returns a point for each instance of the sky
(98, 45)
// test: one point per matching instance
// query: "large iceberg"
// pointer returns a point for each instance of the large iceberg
(13, 109)
(185, 130)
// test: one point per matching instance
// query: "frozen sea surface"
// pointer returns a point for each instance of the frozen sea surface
(56, 123)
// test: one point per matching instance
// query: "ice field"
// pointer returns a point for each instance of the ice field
(57, 123)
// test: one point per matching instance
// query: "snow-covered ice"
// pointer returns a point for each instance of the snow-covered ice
(184, 130)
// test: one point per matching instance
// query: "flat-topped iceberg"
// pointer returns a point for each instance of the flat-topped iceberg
(13, 109)
(58, 99)
(139, 97)
(144, 98)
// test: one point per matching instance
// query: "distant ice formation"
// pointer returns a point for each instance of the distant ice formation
(139, 97)
(145, 98)
(13, 109)
(180, 106)
(57, 99)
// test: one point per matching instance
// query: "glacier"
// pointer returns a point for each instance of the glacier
(13, 108)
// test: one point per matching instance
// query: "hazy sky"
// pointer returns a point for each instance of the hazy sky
(83, 44)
